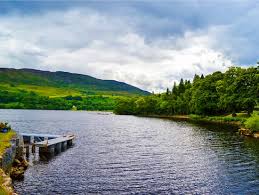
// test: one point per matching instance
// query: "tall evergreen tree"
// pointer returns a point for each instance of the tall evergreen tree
(181, 87)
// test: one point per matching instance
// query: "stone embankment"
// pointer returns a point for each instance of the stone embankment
(6, 184)
(12, 165)
(248, 132)
(6, 161)
(18, 169)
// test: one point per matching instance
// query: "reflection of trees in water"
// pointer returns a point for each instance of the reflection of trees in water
(252, 146)
(236, 157)
(228, 144)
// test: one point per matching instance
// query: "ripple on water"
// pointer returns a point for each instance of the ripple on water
(137, 155)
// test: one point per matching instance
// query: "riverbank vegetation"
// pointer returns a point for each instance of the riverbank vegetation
(3, 190)
(5, 184)
(5, 138)
(229, 96)
(253, 123)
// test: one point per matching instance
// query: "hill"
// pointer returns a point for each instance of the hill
(36, 89)
(64, 82)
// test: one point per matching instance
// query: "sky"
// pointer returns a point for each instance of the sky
(148, 44)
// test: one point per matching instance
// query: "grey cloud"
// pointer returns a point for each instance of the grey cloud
(149, 50)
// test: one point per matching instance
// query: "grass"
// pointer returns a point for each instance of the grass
(53, 92)
(239, 119)
(239, 115)
(42, 90)
(253, 122)
(2, 190)
(4, 143)
(5, 140)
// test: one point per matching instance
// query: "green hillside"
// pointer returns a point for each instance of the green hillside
(35, 89)
(37, 80)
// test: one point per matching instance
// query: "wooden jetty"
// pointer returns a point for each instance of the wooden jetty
(47, 144)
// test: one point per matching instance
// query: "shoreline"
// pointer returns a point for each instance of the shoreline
(209, 120)
(7, 157)
(109, 111)
(200, 119)
(12, 163)
(6, 186)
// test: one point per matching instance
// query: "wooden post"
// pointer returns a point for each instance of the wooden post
(47, 151)
(70, 142)
(31, 139)
(33, 148)
(63, 146)
(58, 148)
(27, 151)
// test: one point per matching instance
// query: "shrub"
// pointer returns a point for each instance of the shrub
(253, 123)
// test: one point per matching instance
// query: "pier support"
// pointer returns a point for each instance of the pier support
(32, 140)
(57, 148)
(49, 151)
(48, 145)
(33, 149)
(27, 151)
(70, 142)
(63, 146)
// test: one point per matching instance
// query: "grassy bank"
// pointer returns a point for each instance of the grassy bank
(5, 140)
(3, 189)
(246, 125)
(239, 120)
(4, 143)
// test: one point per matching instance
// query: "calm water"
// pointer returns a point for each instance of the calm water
(133, 155)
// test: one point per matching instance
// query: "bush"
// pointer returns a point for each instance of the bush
(253, 123)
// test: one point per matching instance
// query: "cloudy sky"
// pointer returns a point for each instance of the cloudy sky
(149, 44)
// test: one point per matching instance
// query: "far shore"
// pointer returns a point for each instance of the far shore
(200, 119)
(108, 111)
(237, 124)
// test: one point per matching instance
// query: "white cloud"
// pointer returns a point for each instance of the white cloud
(107, 47)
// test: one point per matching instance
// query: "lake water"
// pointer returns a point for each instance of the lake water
(136, 155)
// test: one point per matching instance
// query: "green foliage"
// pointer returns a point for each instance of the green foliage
(125, 106)
(5, 140)
(4, 143)
(219, 94)
(217, 118)
(253, 122)
(238, 89)
(31, 100)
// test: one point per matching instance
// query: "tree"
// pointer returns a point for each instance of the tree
(167, 91)
(196, 78)
(181, 87)
(219, 93)
(175, 90)
(229, 91)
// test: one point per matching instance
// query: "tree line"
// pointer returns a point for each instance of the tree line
(218, 93)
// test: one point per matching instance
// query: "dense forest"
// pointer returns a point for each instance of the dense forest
(236, 90)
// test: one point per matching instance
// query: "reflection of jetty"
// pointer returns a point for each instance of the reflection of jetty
(47, 144)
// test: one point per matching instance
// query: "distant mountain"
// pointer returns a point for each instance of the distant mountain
(64, 80)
